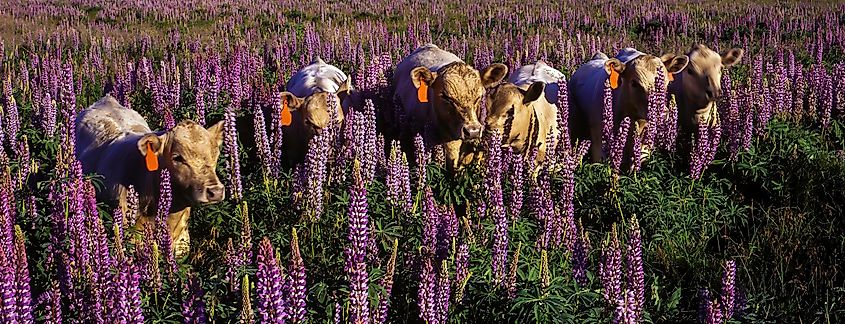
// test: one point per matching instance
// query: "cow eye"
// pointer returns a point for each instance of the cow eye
(178, 158)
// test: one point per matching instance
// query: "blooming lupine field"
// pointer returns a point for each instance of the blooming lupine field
(741, 221)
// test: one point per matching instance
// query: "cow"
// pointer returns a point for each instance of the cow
(307, 98)
(636, 79)
(700, 85)
(524, 108)
(116, 142)
(438, 91)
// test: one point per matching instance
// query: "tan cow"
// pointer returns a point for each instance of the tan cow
(637, 72)
(112, 141)
(700, 85)
(307, 96)
(449, 101)
(523, 106)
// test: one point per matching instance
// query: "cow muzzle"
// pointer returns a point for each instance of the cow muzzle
(213, 193)
(472, 131)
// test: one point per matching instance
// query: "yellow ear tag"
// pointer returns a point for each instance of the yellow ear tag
(151, 158)
(614, 79)
(285, 115)
(422, 92)
(670, 77)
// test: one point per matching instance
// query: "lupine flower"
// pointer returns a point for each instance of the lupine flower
(728, 289)
(268, 287)
(545, 276)
(634, 266)
(493, 183)
(193, 306)
(24, 295)
(387, 284)
(443, 294)
(246, 316)
(617, 147)
(297, 277)
(516, 163)
(426, 294)
(358, 235)
(510, 284)
(580, 252)
(422, 160)
(398, 179)
(164, 239)
(462, 273)
(610, 268)
(230, 140)
(262, 142)
(607, 119)
(315, 167)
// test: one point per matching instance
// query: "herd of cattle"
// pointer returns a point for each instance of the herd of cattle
(439, 92)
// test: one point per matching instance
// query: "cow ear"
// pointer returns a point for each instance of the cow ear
(733, 56)
(674, 63)
(155, 142)
(534, 92)
(614, 65)
(294, 102)
(422, 74)
(216, 133)
(344, 90)
(493, 74)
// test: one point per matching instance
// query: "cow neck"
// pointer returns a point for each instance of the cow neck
(150, 183)
(620, 108)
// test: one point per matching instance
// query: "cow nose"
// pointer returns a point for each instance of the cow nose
(472, 131)
(215, 193)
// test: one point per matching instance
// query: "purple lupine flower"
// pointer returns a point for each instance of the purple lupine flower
(423, 158)
(426, 298)
(358, 235)
(461, 271)
(12, 120)
(634, 266)
(610, 268)
(315, 167)
(637, 153)
(493, 183)
(654, 133)
(233, 263)
(617, 146)
(703, 304)
(48, 115)
(563, 111)
(625, 312)
(580, 254)
(52, 301)
(233, 164)
(444, 290)
(516, 177)
(262, 142)
(24, 295)
(165, 241)
(193, 306)
(387, 284)
(397, 179)
(714, 312)
(297, 278)
(338, 313)
(607, 118)
(268, 287)
(729, 289)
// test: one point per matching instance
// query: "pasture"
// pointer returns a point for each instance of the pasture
(738, 219)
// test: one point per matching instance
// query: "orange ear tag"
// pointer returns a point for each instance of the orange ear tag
(422, 92)
(285, 115)
(151, 158)
(614, 79)
(670, 76)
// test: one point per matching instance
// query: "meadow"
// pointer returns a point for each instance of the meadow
(741, 222)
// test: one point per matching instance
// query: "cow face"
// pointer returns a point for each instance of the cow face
(508, 101)
(638, 81)
(701, 80)
(190, 153)
(455, 95)
(314, 110)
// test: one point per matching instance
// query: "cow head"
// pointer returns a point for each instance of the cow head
(508, 101)
(314, 109)
(701, 81)
(637, 81)
(455, 96)
(190, 153)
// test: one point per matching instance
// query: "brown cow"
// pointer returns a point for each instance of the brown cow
(637, 72)
(112, 141)
(522, 106)
(451, 99)
(700, 85)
